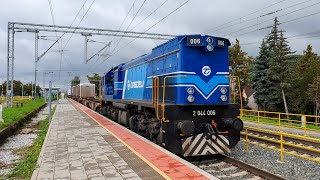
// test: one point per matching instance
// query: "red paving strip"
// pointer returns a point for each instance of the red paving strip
(167, 164)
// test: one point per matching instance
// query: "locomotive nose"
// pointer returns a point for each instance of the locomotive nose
(235, 124)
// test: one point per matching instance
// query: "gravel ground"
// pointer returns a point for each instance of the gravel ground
(18, 141)
(291, 168)
(7, 157)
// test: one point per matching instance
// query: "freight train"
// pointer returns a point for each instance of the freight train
(177, 96)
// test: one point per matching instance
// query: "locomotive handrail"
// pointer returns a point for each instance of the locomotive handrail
(155, 94)
(164, 93)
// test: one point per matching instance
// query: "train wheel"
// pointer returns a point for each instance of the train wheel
(132, 123)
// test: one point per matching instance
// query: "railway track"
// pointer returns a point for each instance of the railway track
(292, 144)
(224, 167)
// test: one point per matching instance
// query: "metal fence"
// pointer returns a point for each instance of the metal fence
(298, 121)
(16, 98)
(281, 142)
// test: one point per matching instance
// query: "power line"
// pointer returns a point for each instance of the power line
(213, 29)
(134, 17)
(298, 36)
(119, 26)
(312, 14)
(149, 14)
(263, 15)
(79, 23)
(54, 23)
(107, 45)
(180, 6)
(271, 19)
(64, 33)
(117, 44)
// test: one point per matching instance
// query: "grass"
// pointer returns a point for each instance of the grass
(283, 122)
(10, 115)
(25, 168)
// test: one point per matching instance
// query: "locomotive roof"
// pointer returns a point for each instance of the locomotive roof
(146, 57)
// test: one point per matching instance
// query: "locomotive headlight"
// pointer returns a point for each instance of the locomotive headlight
(190, 90)
(209, 40)
(223, 90)
(190, 98)
(209, 47)
(223, 98)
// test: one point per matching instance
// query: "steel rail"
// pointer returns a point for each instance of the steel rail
(293, 145)
(250, 168)
(206, 160)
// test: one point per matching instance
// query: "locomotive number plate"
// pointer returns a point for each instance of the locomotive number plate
(204, 113)
(194, 41)
(220, 42)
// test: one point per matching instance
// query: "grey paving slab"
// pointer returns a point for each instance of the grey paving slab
(76, 147)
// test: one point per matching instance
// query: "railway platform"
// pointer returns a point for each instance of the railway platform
(82, 144)
(289, 130)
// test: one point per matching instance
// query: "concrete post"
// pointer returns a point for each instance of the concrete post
(1, 120)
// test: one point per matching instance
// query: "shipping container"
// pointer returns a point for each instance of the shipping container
(85, 90)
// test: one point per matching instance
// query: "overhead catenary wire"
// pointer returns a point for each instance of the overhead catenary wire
(260, 16)
(156, 23)
(134, 17)
(298, 36)
(180, 6)
(119, 27)
(64, 33)
(285, 22)
(140, 21)
(79, 23)
(149, 15)
(54, 23)
(268, 20)
(237, 19)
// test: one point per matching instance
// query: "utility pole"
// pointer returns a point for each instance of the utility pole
(36, 63)
(50, 91)
(85, 46)
(31, 90)
(22, 90)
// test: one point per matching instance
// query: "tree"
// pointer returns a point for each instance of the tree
(260, 81)
(239, 62)
(75, 81)
(306, 62)
(17, 88)
(314, 94)
(95, 79)
(306, 70)
(279, 73)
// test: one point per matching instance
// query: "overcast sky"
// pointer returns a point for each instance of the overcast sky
(197, 16)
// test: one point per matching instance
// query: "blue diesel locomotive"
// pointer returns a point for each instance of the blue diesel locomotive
(177, 96)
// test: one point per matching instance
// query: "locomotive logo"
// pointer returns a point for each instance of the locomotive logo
(135, 84)
(206, 70)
